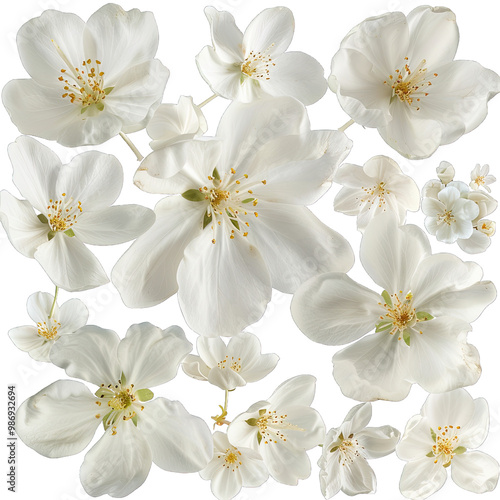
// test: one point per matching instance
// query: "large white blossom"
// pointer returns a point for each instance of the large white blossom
(51, 321)
(231, 468)
(229, 366)
(344, 460)
(421, 317)
(448, 427)
(89, 81)
(249, 66)
(74, 204)
(396, 73)
(282, 428)
(238, 226)
(378, 186)
(62, 418)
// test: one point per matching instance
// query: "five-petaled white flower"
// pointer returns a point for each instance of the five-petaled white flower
(173, 123)
(480, 178)
(396, 73)
(229, 366)
(245, 67)
(421, 319)
(378, 186)
(343, 463)
(449, 217)
(90, 81)
(448, 426)
(239, 225)
(62, 418)
(51, 324)
(282, 428)
(74, 204)
(231, 468)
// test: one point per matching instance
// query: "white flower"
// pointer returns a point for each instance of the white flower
(449, 425)
(480, 178)
(90, 81)
(450, 216)
(249, 66)
(62, 418)
(240, 226)
(396, 73)
(173, 123)
(445, 172)
(231, 468)
(74, 204)
(421, 319)
(38, 340)
(343, 463)
(281, 429)
(378, 186)
(229, 366)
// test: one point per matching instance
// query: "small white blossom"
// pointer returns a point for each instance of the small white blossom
(480, 178)
(445, 172)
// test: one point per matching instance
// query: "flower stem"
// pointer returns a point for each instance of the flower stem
(206, 101)
(54, 303)
(346, 126)
(221, 419)
(131, 145)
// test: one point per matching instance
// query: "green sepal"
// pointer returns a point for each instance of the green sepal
(335, 448)
(430, 454)
(144, 394)
(383, 326)
(406, 337)
(107, 90)
(242, 78)
(193, 195)
(433, 435)
(207, 219)
(84, 109)
(99, 106)
(259, 437)
(387, 298)
(235, 223)
(42, 218)
(248, 200)
(341, 437)
(423, 316)
(123, 379)
(69, 233)
(447, 465)
(262, 412)
(105, 419)
(215, 174)
(51, 234)
(459, 450)
(134, 419)
(252, 421)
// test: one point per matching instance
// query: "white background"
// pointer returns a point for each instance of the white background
(320, 26)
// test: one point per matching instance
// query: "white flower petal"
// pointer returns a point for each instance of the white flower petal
(70, 264)
(477, 243)
(297, 390)
(285, 234)
(179, 441)
(286, 465)
(26, 338)
(60, 420)
(146, 274)
(240, 433)
(372, 368)
(253, 472)
(150, 356)
(232, 274)
(72, 315)
(332, 309)
(226, 379)
(25, 231)
(117, 464)
(378, 441)
(90, 355)
(475, 431)
(421, 478)
(211, 349)
(417, 440)
(113, 225)
(226, 483)
(297, 75)
(475, 471)
(432, 206)
(358, 478)
(357, 419)
(226, 36)
(39, 305)
(271, 31)
(390, 254)
(330, 477)
(194, 367)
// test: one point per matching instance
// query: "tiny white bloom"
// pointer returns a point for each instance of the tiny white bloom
(249, 66)
(448, 427)
(421, 318)
(396, 73)
(229, 366)
(378, 186)
(239, 225)
(282, 428)
(344, 459)
(445, 172)
(62, 418)
(173, 123)
(73, 202)
(90, 81)
(450, 216)
(38, 340)
(480, 177)
(231, 468)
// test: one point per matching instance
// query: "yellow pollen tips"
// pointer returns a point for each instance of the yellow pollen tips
(122, 400)
(62, 213)
(447, 218)
(257, 65)
(48, 331)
